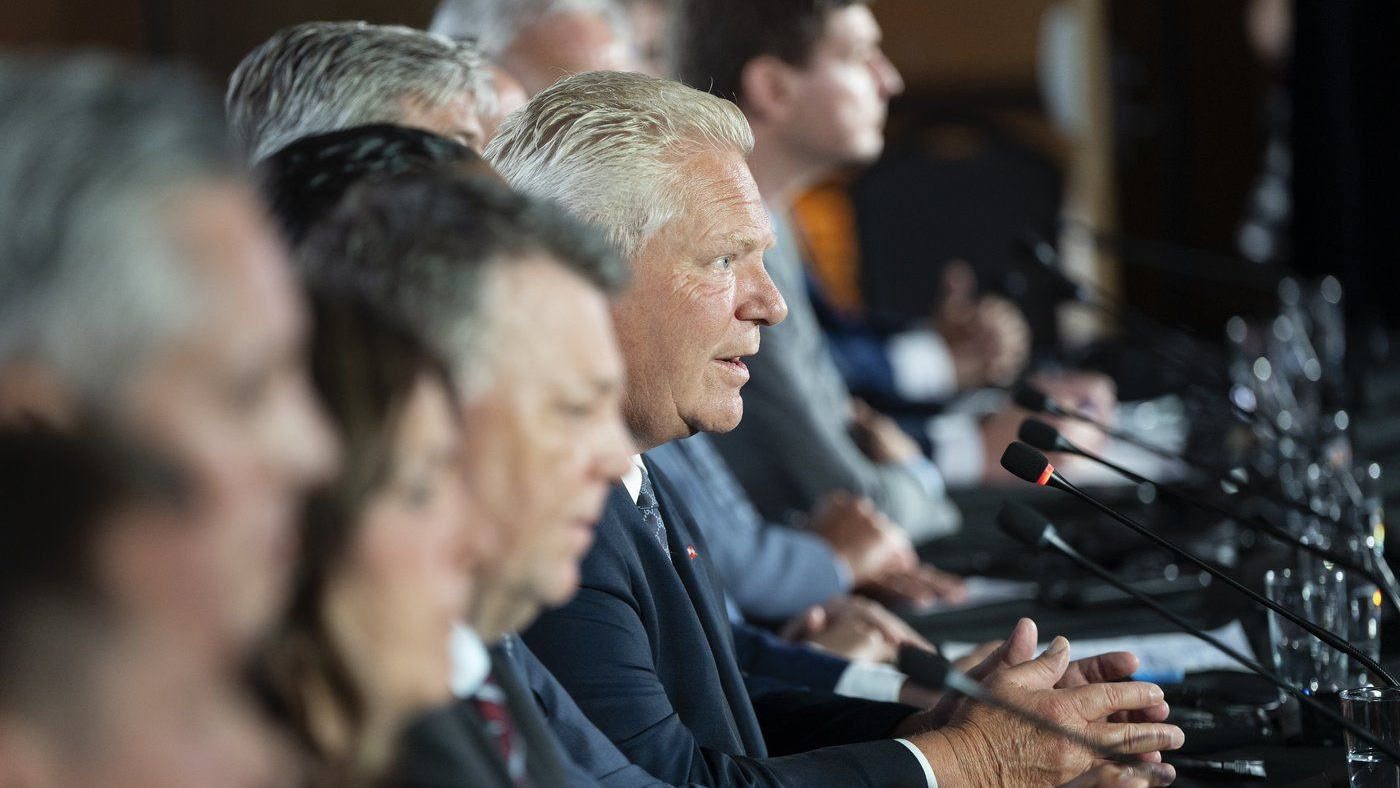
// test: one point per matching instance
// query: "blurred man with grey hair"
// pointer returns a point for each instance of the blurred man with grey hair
(643, 648)
(144, 300)
(144, 293)
(539, 41)
(326, 76)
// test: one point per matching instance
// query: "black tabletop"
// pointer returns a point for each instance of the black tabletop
(983, 550)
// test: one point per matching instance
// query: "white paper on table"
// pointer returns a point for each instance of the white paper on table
(1167, 652)
(983, 591)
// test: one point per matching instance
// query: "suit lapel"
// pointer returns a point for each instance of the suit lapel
(542, 755)
(687, 549)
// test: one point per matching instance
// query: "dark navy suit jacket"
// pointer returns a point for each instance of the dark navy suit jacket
(449, 747)
(645, 650)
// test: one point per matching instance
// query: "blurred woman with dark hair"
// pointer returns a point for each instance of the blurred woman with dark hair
(385, 552)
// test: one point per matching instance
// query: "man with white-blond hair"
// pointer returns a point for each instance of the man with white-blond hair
(644, 647)
(539, 41)
(317, 77)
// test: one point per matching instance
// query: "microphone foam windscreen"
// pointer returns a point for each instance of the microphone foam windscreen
(1026, 463)
(924, 667)
(1039, 435)
(1022, 523)
(1031, 398)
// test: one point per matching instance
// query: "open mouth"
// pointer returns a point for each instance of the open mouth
(736, 363)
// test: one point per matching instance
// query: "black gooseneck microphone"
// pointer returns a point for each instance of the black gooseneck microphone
(1045, 437)
(934, 671)
(1026, 463)
(1033, 399)
(1028, 526)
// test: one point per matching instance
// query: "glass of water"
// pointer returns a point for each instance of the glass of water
(1363, 626)
(1298, 657)
(1377, 710)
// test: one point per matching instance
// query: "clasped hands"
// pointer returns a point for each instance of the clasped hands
(973, 744)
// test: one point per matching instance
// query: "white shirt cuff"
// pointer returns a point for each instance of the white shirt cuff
(922, 365)
(957, 448)
(928, 476)
(845, 575)
(870, 681)
(928, 770)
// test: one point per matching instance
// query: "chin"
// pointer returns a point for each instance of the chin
(719, 419)
(563, 584)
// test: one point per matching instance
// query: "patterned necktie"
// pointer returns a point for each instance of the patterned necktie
(651, 512)
(490, 702)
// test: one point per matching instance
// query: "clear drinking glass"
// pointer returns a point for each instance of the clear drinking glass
(1378, 711)
(1363, 626)
(1298, 657)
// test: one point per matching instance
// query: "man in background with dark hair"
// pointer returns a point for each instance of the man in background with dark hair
(815, 86)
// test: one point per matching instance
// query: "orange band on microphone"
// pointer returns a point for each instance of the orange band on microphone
(1046, 474)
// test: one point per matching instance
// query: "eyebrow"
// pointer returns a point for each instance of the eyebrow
(746, 241)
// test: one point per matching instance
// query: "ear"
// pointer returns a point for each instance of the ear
(768, 90)
(32, 391)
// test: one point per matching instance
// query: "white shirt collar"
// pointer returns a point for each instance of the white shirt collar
(471, 662)
(632, 480)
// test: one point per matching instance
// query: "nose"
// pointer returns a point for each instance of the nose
(890, 80)
(760, 301)
(615, 449)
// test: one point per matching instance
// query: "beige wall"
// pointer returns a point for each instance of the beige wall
(959, 45)
(940, 44)
(209, 33)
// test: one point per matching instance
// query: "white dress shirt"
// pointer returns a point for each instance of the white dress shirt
(471, 662)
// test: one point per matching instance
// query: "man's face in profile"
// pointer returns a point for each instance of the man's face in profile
(562, 43)
(843, 92)
(698, 295)
(228, 399)
(545, 440)
(456, 119)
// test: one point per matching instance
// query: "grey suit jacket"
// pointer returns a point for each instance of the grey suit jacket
(792, 445)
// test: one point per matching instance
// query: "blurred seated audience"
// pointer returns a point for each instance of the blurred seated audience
(323, 76)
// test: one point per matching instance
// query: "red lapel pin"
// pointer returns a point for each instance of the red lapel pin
(691, 552)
